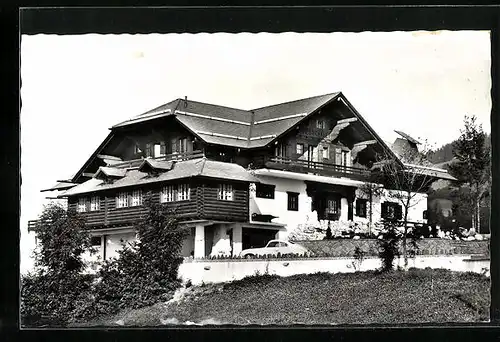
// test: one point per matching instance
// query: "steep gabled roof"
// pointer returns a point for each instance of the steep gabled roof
(220, 125)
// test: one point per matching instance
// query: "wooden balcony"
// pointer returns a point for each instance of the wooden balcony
(317, 168)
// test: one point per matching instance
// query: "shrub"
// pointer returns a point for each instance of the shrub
(388, 247)
(52, 293)
(146, 271)
(359, 257)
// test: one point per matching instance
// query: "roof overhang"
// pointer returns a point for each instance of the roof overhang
(308, 177)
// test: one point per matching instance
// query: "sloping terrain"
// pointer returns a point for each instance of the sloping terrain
(416, 296)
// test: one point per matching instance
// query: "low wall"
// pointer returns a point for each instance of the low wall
(346, 247)
(215, 271)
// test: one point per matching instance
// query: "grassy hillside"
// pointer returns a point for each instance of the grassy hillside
(415, 296)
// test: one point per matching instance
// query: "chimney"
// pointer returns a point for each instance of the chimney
(185, 101)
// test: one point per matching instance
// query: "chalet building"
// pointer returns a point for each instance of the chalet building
(236, 178)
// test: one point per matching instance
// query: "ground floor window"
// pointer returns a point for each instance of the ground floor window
(293, 201)
(391, 211)
(361, 205)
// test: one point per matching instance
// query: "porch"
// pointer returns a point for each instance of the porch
(209, 239)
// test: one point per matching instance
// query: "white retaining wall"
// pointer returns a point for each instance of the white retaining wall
(199, 271)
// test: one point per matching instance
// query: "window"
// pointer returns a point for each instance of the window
(137, 149)
(391, 211)
(273, 244)
(424, 214)
(149, 150)
(361, 207)
(159, 149)
(300, 149)
(333, 206)
(320, 124)
(95, 203)
(172, 193)
(168, 194)
(136, 198)
(82, 205)
(183, 145)
(264, 190)
(122, 200)
(225, 192)
(341, 157)
(95, 241)
(326, 152)
(293, 201)
(183, 193)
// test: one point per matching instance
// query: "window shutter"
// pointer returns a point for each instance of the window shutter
(350, 211)
(383, 210)
(399, 211)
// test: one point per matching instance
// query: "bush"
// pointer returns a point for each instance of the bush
(389, 247)
(145, 271)
(52, 293)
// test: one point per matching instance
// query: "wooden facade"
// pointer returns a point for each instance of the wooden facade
(203, 203)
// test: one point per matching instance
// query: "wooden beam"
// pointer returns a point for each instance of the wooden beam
(365, 143)
(335, 132)
(347, 120)
(87, 174)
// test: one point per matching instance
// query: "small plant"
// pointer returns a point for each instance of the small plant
(359, 257)
(388, 247)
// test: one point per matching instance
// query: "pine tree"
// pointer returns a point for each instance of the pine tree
(472, 168)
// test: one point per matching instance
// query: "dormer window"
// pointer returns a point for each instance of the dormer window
(320, 123)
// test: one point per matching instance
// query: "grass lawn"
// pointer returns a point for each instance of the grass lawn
(415, 296)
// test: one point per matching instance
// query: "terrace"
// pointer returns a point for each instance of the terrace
(316, 168)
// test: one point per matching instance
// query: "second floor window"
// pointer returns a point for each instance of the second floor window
(168, 194)
(136, 198)
(177, 192)
(320, 123)
(264, 190)
(122, 200)
(183, 193)
(82, 205)
(225, 192)
(95, 203)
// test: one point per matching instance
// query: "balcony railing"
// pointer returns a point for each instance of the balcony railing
(317, 168)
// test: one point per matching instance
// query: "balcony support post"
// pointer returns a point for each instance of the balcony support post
(199, 241)
(237, 246)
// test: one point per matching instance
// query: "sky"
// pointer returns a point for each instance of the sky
(75, 87)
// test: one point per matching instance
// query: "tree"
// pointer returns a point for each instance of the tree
(473, 164)
(406, 178)
(57, 285)
(146, 270)
(371, 190)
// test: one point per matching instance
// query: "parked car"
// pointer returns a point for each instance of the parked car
(274, 247)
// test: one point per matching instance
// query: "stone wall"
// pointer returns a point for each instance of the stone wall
(346, 247)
